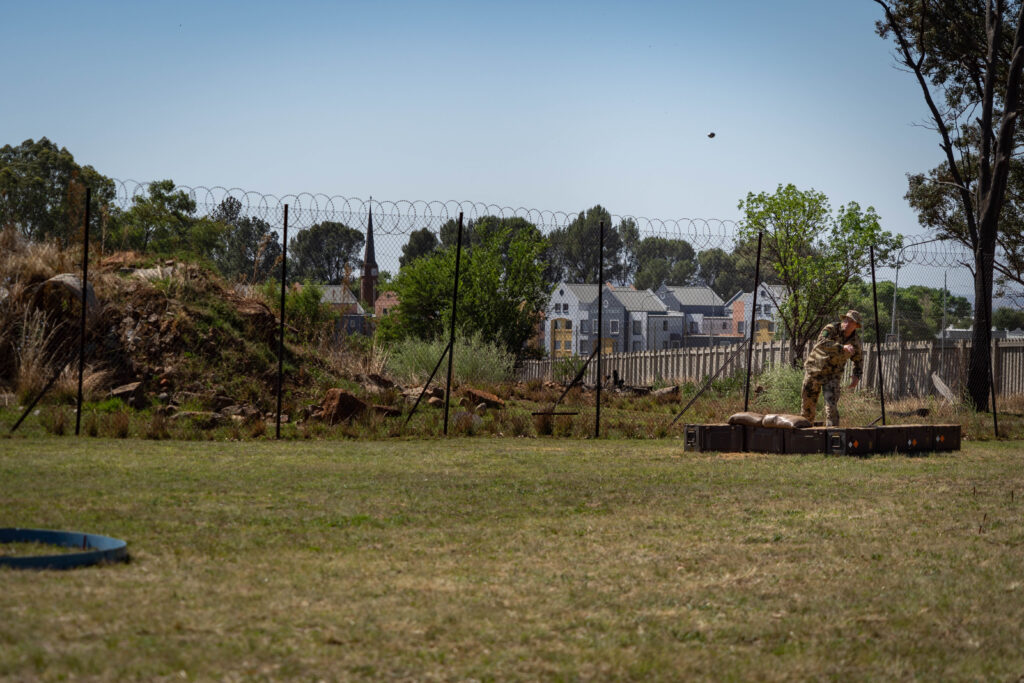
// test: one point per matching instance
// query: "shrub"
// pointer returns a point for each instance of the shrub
(780, 388)
(564, 369)
(54, 420)
(157, 427)
(119, 424)
(305, 310)
(92, 424)
(476, 361)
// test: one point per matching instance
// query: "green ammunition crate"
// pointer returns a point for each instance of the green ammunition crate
(715, 437)
(904, 439)
(764, 439)
(851, 440)
(807, 440)
(946, 437)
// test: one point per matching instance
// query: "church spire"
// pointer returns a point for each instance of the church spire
(368, 282)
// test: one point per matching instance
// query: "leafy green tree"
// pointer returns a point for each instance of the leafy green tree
(327, 252)
(1008, 319)
(42, 192)
(502, 288)
(248, 248)
(164, 222)
(918, 310)
(663, 261)
(967, 57)
(574, 250)
(814, 253)
(421, 242)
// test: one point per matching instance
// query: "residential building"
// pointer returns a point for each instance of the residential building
(706, 319)
(570, 320)
(641, 312)
(340, 298)
(385, 304)
(769, 298)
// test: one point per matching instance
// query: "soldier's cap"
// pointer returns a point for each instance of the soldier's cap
(854, 316)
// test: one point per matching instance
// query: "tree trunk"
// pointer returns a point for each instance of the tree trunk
(978, 364)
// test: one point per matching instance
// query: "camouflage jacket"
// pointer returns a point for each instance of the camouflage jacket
(827, 358)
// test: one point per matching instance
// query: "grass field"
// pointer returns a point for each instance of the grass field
(515, 559)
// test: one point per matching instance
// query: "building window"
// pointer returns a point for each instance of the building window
(613, 327)
(568, 324)
(558, 345)
(725, 325)
(664, 325)
(741, 326)
(636, 328)
(583, 327)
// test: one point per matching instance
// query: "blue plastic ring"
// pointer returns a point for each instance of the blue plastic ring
(95, 549)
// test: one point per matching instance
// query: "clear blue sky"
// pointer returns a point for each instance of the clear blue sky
(525, 104)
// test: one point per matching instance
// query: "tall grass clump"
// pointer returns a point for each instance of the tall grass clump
(780, 388)
(476, 361)
(565, 369)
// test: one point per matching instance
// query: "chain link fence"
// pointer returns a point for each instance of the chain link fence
(677, 295)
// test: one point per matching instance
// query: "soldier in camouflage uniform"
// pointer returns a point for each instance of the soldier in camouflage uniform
(837, 343)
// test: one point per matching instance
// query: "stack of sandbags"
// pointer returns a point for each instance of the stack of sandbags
(785, 421)
(772, 420)
(746, 419)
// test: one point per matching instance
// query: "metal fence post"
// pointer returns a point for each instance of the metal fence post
(753, 321)
(600, 328)
(451, 337)
(280, 341)
(878, 352)
(81, 329)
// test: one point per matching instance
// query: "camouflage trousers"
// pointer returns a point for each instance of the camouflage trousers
(813, 386)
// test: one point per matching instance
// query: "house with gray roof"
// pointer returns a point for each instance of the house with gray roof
(696, 299)
(706, 318)
(640, 310)
(633, 320)
(570, 326)
(769, 299)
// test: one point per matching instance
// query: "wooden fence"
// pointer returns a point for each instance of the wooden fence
(907, 367)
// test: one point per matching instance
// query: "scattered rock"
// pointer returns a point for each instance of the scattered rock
(152, 274)
(387, 411)
(245, 412)
(413, 393)
(374, 383)
(477, 396)
(339, 405)
(131, 394)
(666, 392)
(481, 408)
(436, 401)
(201, 418)
(221, 402)
(467, 422)
(61, 295)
